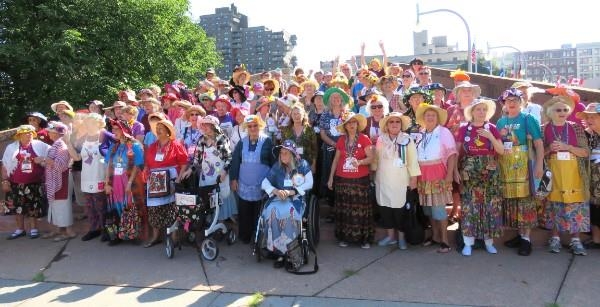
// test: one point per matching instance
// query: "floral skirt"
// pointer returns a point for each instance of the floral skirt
(481, 197)
(571, 218)
(27, 199)
(433, 189)
(161, 216)
(353, 210)
(519, 212)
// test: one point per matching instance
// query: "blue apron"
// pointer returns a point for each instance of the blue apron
(252, 171)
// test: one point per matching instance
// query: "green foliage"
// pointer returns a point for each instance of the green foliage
(483, 67)
(79, 50)
(256, 299)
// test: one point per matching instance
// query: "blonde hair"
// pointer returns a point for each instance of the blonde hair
(298, 106)
(131, 110)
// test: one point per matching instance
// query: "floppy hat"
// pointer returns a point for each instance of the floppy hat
(209, 95)
(116, 104)
(491, 109)
(309, 82)
(194, 108)
(559, 99)
(43, 119)
(405, 121)
(124, 126)
(241, 110)
(240, 89)
(317, 93)
(340, 80)
(291, 146)
(258, 86)
(511, 92)
(97, 103)
(347, 116)
(420, 91)
(459, 75)
(183, 103)
(332, 90)
(436, 86)
(165, 123)
(224, 99)
(157, 115)
(263, 101)
(467, 84)
(442, 114)
(97, 118)
(591, 108)
(57, 127)
(211, 120)
(236, 75)
(62, 102)
(69, 113)
(25, 129)
(563, 91)
(275, 85)
(253, 119)
(520, 84)
(369, 92)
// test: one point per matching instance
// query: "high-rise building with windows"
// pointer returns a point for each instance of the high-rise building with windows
(259, 48)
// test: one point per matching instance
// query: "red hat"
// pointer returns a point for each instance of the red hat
(224, 99)
(563, 91)
(169, 96)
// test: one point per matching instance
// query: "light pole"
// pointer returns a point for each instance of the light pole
(469, 47)
(546, 68)
(521, 59)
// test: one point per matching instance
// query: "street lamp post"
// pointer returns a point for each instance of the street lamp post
(521, 59)
(546, 69)
(469, 47)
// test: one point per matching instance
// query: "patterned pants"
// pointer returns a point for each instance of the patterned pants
(96, 207)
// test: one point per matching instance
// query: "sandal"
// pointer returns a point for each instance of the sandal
(444, 248)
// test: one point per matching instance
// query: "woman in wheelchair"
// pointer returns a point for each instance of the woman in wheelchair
(286, 185)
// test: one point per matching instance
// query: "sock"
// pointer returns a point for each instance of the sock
(574, 239)
(469, 240)
(525, 238)
(33, 231)
(489, 242)
(19, 231)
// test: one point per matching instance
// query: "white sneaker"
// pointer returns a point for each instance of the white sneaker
(343, 244)
(365, 246)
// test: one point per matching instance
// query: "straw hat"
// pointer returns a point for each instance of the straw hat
(116, 104)
(253, 119)
(491, 109)
(405, 121)
(97, 118)
(241, 71)
(165, 123)
(264, 101)
(211, 120)
(62, 102)
(156, 115)
(467, 84)
(347, 116)
(442, 114)
(417, 90)
(194, 108)
(183, 103)
(520, 84)
(592, 108)
(25, 129)
(275, 85)
(309, 82)
(559, 99)
(124, 126)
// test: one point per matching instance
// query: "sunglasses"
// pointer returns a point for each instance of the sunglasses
(423, 73)
(406, 76)
(379, 106)
(194, 114)
(251, 126)
(418, 63)
(269, 89)
(561, 110)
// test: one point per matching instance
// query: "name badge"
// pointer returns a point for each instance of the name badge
(159, 157)
(288, 183)
(300, 150)
(349, 165)
(272, 129)
(398, 162)
(508, 145)
(26, 167)
(118, 171)
(563, 156)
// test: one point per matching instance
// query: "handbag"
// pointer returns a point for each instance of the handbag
(414, 232)
(544, 187)
(373, 202)
(295, 256)
(111, 219)
(159, 183)
(130, 223)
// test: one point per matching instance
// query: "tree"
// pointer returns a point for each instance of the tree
(483, 67)
(79, 50)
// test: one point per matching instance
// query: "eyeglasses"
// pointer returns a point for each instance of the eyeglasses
(251, 126)
(194, 114)
(418, 63)
(561, 110)
(206, 99)
(512, 99)
(406, 76)
(423, 73)
(378, 106)
(269, 89)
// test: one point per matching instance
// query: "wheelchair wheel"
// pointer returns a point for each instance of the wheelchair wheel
(209, 249)
(231, 237)
(191, 237)
(313, 230)
(169, 246)
(305, 251)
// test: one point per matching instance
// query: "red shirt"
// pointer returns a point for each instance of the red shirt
(358, 154)
(473, 145)
(23, 175)
(42, 135)
(174, 154)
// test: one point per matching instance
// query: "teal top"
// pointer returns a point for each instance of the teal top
(515, 129)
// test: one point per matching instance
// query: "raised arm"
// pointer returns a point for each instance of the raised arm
(385, 61)
(363, 63)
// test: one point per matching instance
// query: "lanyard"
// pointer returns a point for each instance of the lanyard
(350, 148)
(563, 134)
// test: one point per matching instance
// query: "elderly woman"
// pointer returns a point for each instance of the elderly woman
(181, 122)
(397, 171)
(252, 159)
(123, 186)
(22, 179)
(39, 122)
(222, 113)
(337, 101)
(150, 105)
(238, 132)
(349, 179)
(286, 184)
(438, 92)
(591, 117)
(164, 160)
(95, 143)
(388, 85)
(518, 131)
(303, 135)
(408, 82)
(413, 99)
(207, 101)
(238, 97)
(309, 88)
(479, 144)
(192, 133)
(437, 160)
(377, 108)
(60, 211)
(129, 115)
(566, 150)
(150, 138)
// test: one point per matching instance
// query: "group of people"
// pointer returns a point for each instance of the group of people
(329, 134)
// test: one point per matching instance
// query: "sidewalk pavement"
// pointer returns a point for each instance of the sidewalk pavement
(93, 274)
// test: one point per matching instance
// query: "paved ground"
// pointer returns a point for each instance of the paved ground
(93, 274)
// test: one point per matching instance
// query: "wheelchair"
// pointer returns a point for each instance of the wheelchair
(309, 229)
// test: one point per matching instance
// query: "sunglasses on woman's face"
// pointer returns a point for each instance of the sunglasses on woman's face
(268, 89)
(406, 76)
(194, 114)
(379, 106)
(251, 126)
(561, 110)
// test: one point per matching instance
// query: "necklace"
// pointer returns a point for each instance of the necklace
(564, 134)
(350, 147)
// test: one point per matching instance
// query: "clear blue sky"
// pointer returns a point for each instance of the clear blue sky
(329, 28)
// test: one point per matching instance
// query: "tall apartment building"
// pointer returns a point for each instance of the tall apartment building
(258, 48)
(550, 64)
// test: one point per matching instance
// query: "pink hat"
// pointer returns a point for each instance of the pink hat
(224, 99)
